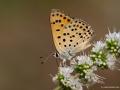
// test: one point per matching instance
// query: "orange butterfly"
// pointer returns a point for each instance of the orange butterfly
(70, 35)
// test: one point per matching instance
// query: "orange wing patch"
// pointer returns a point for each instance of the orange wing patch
(58, 22)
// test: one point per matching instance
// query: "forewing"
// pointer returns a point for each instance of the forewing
(58, 22)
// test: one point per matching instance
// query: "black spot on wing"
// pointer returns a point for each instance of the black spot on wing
(79, 33)
(53, 23)
(74, 45)
(64, 40)
(56, 21)
(57, 29)
(71, 40)
(87, 27)
(68, 33)
(62, 25)
(69, 44)
(68, 20)
(64, 34)
(53, 15)
(84, 29)
(59, 21)
(64, 45)
(59, 37)
(57, 14)
(64, 17)
(59, 43)
(72, 29)
(73, 35)
(81, 27)
(61, 15)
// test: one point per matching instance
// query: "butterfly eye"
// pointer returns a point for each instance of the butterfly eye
(56, 55)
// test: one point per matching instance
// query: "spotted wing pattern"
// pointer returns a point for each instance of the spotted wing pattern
(70, 35)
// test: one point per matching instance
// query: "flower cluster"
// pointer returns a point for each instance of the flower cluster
(113, 43)
(85, 69)
(98, 54)
(65, 79)
(81, 69)
(105, 53)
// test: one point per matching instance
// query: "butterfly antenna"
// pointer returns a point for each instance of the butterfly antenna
(44, 60)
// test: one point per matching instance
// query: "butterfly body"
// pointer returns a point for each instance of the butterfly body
(70, 35)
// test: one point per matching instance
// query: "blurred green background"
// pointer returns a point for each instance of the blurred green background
(25, 35)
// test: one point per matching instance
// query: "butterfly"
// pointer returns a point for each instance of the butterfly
(70, 35)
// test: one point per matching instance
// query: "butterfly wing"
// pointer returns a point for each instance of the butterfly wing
(81, 34)
(58, 22)
(70, 35)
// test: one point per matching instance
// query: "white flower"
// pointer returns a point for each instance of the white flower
(84, 60)
(93, 78)
(74, 83)
(111, 60)
(98, 46)
(80, 71)
(113, 43)
(94, 68)
(113, 36)
(65, 71)
(69, 80)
